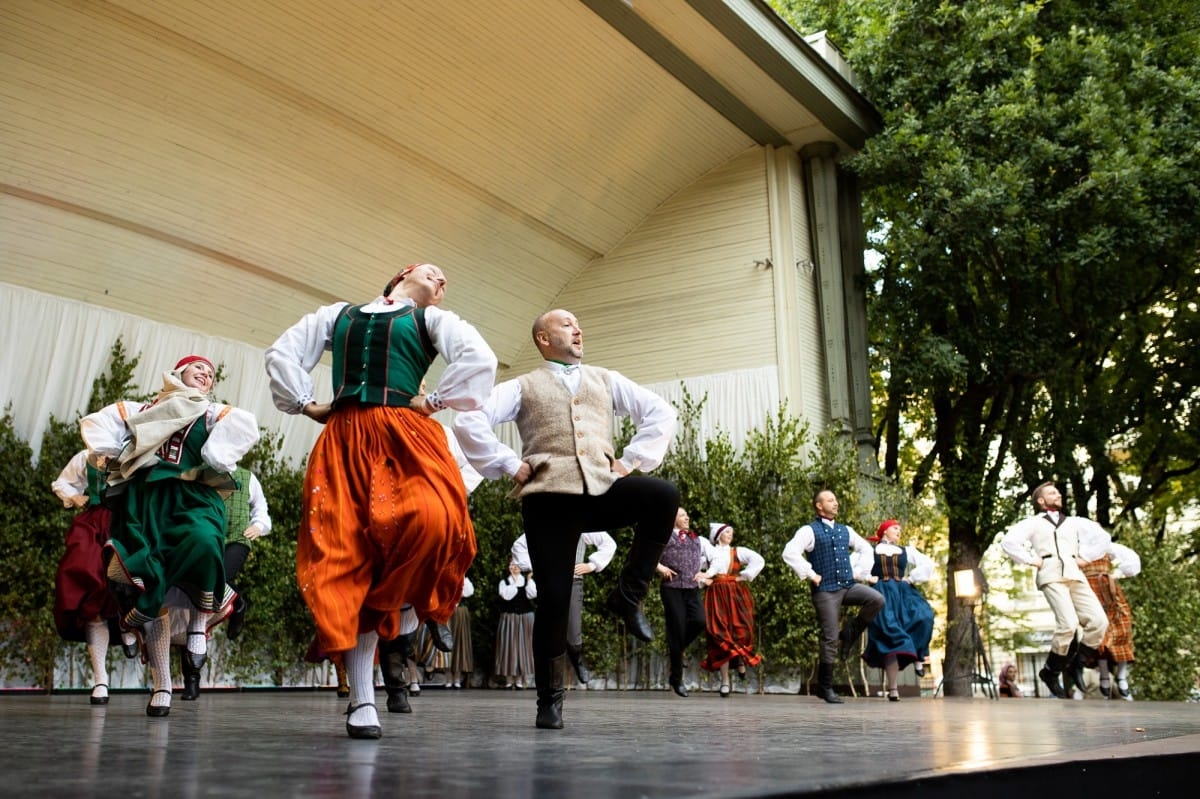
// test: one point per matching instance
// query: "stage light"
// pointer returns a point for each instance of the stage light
(965, 586)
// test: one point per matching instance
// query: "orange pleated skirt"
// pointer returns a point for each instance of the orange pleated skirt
(385, 523)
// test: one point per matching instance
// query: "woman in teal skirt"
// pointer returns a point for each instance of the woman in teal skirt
(900, 633)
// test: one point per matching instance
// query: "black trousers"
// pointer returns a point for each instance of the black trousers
(235, 558)
(683, 611)
(553, 524)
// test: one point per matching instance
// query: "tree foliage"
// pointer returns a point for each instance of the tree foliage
(1035, 201)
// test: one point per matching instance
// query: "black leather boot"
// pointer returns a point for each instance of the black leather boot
(393, 662)
(825, 684)
(440, 635)
(626, 598)
(549, 676)
(191, 679)
(849, 636)
(1050, 674)
(1073, 678)
(575, 653)
(1087, 657)
(237, 619)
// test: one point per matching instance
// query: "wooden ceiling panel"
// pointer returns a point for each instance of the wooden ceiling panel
(305, 149)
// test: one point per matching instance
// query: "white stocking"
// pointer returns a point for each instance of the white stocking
(891, 667)
(197, 638)
(158, 656)
(408, 620)
(96, 633)
(1122, 674)
(360, 668)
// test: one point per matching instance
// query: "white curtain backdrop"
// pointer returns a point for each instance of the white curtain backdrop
(53, 349)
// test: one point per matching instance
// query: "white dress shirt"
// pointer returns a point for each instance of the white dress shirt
(653, 417)
(804, 540)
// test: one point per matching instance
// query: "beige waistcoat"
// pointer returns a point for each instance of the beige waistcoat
(567, 440)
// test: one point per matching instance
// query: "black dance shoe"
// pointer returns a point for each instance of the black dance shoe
(367, 731)
(158, 711)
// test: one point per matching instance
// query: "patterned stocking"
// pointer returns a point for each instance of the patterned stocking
(96, 633)
(158, 656)
(198, 623)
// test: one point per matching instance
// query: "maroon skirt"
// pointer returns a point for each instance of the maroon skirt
(80, 586)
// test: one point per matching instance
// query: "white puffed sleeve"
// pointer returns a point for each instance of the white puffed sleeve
(230, 437)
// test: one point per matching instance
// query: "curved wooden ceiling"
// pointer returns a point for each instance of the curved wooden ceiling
(252, 160)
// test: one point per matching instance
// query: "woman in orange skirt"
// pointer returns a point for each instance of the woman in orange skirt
(385, 519)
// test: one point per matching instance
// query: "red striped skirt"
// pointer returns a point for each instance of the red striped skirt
(729, 612)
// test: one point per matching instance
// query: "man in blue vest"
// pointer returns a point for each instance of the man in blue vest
(828, 567)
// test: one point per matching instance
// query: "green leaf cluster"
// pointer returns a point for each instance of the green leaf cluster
(1034, 200)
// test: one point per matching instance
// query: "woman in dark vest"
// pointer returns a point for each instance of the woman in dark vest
(900, 633)
(385, 506)
(514, 630)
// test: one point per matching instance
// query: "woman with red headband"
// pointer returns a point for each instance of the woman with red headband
(900, 633)
(166, 465)
(385, 506)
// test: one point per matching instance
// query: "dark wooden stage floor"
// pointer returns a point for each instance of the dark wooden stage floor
(477, 743)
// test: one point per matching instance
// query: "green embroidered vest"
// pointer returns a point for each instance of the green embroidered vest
(380, 358)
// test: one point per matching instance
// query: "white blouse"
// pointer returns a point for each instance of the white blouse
(719, 561)
(509, 586)
(464, 385)
(229, 437)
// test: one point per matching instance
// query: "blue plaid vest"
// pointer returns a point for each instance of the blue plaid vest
(830, 556)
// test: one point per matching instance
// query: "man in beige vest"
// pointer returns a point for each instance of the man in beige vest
(1049, 541)
(569, 481)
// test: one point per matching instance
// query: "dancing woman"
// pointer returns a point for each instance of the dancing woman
(900, 633)
(729, 606)
(167, 464)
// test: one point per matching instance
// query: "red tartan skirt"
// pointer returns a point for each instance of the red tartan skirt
(1118, 641)
(729, 612)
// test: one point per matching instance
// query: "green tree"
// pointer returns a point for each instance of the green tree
(1034, 202)
(1165, 599)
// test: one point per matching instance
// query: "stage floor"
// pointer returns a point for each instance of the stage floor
(477, 743)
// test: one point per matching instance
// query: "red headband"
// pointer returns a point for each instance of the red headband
(400, 276)
(883, 528)
(183, 362)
